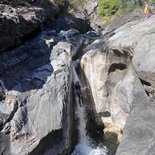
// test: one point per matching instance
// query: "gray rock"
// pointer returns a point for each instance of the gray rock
(113, 83)
(122, 20)
(90, 6)
(69, 33)
(136, 40)
(138, 136)
(37, 97)
(139, 46)
(73, 37)
(5, 144)
(19, 22)
(93, 34)
(78, 20)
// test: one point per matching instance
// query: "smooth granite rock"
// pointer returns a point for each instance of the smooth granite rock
(136, 41)
(113, 82)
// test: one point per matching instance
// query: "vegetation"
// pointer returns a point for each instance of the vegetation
(108, 8)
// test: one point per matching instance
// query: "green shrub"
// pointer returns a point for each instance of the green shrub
(108, 7)
(127, 6)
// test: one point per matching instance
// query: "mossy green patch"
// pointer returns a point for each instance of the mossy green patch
(108, 8)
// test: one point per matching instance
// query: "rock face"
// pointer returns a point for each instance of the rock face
(122, 20)
(138, 134)
(85, 13)
(36, 110)
(140, 46)
(113, 82)
(20, 21)
(120, 75)
(90, 7)
(35, 105)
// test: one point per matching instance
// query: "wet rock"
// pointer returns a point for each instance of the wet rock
(113, 133)
(51, 33)
(112, 137)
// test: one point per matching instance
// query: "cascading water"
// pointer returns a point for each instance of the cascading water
(85, 144)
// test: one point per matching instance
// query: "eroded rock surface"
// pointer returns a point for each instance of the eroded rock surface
(113, 82)
(136, 40)
(36, 110)
(120, 75)
(35, 106)
(20, 19)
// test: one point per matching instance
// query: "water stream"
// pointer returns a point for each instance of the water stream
(85, 144)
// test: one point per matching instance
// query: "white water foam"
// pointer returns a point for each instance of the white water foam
(75, 76)
(85, 149)
(84, 146)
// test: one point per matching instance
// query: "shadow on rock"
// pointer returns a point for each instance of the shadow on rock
(35, 93)
(77, 20)
(95, 126)
(24, 69)
(4, 144)
(34, 68)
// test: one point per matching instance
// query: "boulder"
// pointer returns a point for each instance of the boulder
(90, 7)
(17, 23)
(115, 88)
(36, 109)
(138, 45)
(113, 83)
(69, 33)
(138, 135)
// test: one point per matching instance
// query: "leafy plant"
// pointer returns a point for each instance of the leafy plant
(108, 7)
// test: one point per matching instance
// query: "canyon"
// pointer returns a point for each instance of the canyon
(41, 110)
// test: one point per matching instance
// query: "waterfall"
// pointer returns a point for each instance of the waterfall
(85, 143)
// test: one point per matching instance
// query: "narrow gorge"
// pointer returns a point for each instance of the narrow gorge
(70, 86)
